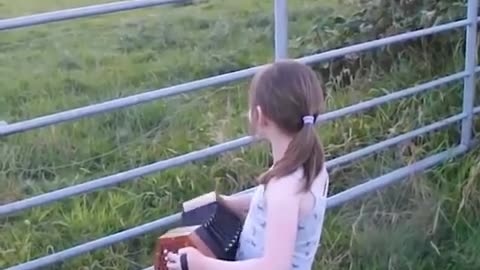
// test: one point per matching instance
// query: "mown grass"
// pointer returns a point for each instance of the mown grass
(428, 222)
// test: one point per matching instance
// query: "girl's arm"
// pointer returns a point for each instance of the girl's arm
(238, 203)
(283, 204)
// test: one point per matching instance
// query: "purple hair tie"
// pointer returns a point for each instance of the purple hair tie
(309, 119)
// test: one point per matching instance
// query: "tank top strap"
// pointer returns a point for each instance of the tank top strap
(326, 185)
(322, 195)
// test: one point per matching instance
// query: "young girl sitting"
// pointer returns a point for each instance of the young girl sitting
(285, 213)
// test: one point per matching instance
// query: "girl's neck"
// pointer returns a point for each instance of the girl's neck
(279, 145)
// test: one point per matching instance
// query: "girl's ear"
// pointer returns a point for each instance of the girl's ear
(258, 121)
(261, 119)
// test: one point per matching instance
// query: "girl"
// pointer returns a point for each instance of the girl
(285, 213)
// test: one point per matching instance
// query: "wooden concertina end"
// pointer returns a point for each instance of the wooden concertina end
(208, 225)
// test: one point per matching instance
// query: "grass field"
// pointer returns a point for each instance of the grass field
(428, 222)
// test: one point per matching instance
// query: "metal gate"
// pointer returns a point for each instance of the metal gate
(281, 44)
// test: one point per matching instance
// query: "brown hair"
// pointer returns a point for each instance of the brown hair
(287, 91)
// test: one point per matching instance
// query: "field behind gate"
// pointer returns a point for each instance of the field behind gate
(428, 222)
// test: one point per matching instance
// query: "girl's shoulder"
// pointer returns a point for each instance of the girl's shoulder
(290, 180)
(294, 182)
(286, 187)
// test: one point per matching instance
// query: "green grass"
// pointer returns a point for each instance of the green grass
(428, 222)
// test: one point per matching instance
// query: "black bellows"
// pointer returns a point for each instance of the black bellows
(220, 229)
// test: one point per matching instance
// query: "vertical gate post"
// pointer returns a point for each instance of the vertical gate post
(470, 65)
(281, 29)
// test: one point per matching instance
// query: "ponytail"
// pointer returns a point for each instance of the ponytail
(305, 150)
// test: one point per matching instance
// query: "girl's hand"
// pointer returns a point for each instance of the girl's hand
(193, 259)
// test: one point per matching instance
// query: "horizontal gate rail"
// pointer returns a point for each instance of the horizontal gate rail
(383, 42)
(150, 96)
(91, 186)
(368, 104)
(169, 221)
(476, 110)
(347, 158)
(399, 174)
(122, 177)
(81, 12)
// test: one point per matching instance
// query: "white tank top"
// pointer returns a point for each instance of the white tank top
(309, 230)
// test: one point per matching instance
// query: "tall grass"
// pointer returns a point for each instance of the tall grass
(427, 222)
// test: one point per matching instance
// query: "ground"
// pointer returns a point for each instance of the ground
(426, 222)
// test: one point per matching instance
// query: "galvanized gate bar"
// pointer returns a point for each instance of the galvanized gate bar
(93, 185)
(470, 65)
(106, 241)
(280, 13)
(382, 42)
(389, 178)
(121, 177)
(476, 110)
(128, 101)
(124, 102)
(87, 11)
(368, 104)
(344, 159)
(166, 222)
